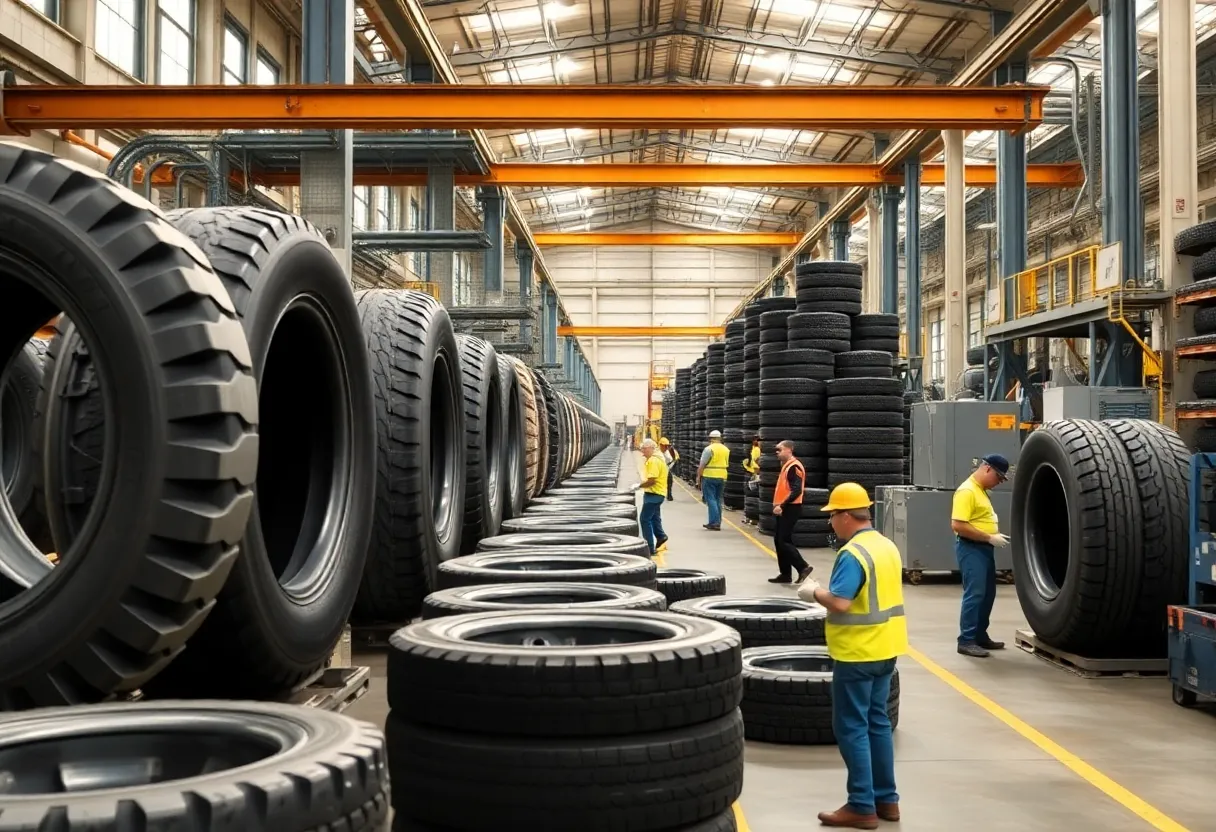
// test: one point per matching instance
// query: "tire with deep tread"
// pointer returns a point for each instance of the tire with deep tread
(20, 411)
(580, 565)
(584, 541)
(1196, 240)
(682, 584)
(485, 441)
(763, 621)
(515, 421)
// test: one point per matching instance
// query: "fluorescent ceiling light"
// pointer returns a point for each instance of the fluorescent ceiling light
(764, 60)
(524, 18)
(565, 65)
(767, 82)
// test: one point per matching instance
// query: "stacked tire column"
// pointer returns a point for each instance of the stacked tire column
(681, 429)
(865, 431)
(700, 392)
(715, 386)
(773, 422)
(733, 408)
(751, 397)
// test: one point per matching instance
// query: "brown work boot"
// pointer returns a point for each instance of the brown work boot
(887, 811)
(846, 818)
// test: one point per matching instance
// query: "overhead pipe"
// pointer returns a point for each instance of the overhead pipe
(1074, 129)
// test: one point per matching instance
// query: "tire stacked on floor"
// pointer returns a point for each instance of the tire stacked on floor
(700, 403)
(865, 431)
(1199, 242)
(681, 429)
(733, 436)
(910, 398)
(715, 386)
(761, 621)
(829, 286)
(973, 376)
(751, 398)
(1100, 534)
(559, 719)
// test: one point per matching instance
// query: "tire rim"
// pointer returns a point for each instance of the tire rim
(305, 456)
(543, 563)
(137, 748)
(543, 594)
(1047, 531)
(761, 606)
(801, 660)
(443, 450)
(563, 629)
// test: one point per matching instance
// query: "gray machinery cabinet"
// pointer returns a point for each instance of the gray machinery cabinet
(950, 438)
(1097, 403)
(917, 520)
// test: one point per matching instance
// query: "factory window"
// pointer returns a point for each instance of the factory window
(384, 208)
(937, 346)
(175, 38)
(119, 36)
(49, 8)
(362, 204)
(236, 53)
(975, 321)
(460, 279)
(415, 224)
(266, 71)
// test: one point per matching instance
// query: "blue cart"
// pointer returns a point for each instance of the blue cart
(1192, 628)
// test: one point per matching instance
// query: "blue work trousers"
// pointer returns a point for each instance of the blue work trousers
(651, 520)
(977, 563)
(863, 731)
(712, 489)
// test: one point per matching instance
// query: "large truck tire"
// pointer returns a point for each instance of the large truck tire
(539, 565)
(293, 588)
(174, 492)
(515, 439)
(420, 449)
(534, 443)
(197, 766)
(20, 413)
(484, 441)
(763, 621)
(568, 596)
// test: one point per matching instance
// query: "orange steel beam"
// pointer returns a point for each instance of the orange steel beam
(642, 331)
(721, 238)
(419, 106)
(1068, 175)
(1083, 17)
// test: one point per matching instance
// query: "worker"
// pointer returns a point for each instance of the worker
(752, 466)
(671, 457)
(654, 491)
(976, 534)
(787, 508)
(711, 478)
(866, 632)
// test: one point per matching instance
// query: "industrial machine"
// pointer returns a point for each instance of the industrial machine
(1083, 402)
(949, 438)
(1192, 628)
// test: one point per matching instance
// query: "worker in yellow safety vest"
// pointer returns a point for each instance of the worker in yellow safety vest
(671, 456)
(866, 631)
(752, 464)
(711, 477)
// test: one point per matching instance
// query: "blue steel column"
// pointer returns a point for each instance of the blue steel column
(526, 259)
(550, 354)
(890, 249)
(1122, 212)
(493, 209)
(840, 240)
(912, 267)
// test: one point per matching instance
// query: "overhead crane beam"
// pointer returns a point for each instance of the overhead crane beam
(424, 107)
(642, 175)
(711, 238)
(642, 331)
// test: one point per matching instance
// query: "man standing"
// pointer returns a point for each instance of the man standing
(752, 466)
(866, 631)
(671, 457)
(711, 477)
(654, 491)
(787, 508)
(975, 527)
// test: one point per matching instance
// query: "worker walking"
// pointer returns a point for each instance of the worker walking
(711, 478)
(787, 508)
(866, 631)
(976, 534)
(671, 457)
(752, 466)
(654, 491)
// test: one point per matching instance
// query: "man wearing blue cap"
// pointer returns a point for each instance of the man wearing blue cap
(976, 534)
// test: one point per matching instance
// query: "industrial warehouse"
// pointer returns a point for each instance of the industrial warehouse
(587, 416)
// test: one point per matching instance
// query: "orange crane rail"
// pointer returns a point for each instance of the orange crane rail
(658, 238)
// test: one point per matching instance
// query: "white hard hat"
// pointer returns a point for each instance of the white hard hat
(715, 434)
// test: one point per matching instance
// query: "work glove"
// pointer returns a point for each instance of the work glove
(998, 540)
(806, 590)
(635, 486)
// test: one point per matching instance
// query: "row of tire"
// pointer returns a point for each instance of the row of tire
(221, 445)
(1199, 242)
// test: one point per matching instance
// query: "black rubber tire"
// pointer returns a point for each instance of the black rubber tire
(865, 387)
(180, 401)
(1205, 384)
(653, 782)
(574, 501)
(975, 355)
(555, 432)
(761, 621)
(1205, 321)
(420, 438)
(496, 673)
(682, 584)
(874, 404)
(865, 436)
(791, 705)
(832, 345)
(515, 444)
(1196, 240)
(485, 441)
(576, 565)
(866, 419)
(573, 521)
(292, 590)
(875, 321)
(567, 596)
(272, 750)
(973, 378)
(827, 267)
(19, 411)
(863, 358)
(1076, 535)
(577, 540)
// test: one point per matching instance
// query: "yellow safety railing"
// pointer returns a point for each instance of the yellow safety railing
(1152, 367)
(1059, 282)
(431, 289)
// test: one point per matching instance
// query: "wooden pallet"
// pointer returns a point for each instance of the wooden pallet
(1090, 668)
(335, 689)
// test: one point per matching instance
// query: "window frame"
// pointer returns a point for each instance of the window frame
(937, 345)
(51, 12)
(139, 27)
(261, 56)
(231, 24)
(366, 202)
(191, 35)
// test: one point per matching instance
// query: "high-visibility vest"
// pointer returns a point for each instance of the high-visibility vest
(751, 464)
(719, 462)
(874, 627)
(783, 484)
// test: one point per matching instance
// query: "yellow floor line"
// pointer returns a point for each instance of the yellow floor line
(740, 821)
(1139, 807)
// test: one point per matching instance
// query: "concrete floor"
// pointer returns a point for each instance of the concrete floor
(1007, 743)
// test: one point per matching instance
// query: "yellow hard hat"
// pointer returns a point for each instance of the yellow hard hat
(846, 497)
(664, 441)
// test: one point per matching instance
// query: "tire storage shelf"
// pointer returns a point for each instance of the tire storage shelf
(1195, 346)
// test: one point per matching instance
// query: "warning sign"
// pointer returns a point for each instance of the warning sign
(1001, 421)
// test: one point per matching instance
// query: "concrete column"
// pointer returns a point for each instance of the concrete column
(871, 289)
(840, 240)
(441, 216)
(327, 185)
(1122, 212)
(493, 208)
(526, 260)
(207, 51)
(955, 322)
(889, 294)
(1176, 105)
(912, 260)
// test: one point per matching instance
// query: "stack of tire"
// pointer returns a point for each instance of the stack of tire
(1199, 242)
(973, 376)
(681, 428)
(700, 403)
(715, 386)
(230, 358)
(1126, 483)
(829, 286)
(551, 726)
(735, 490)
(751, 396)
(865, 427)
(911, 397)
